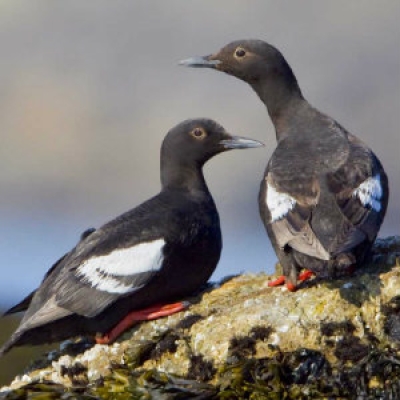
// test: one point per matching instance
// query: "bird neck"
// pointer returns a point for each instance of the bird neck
(282, 96)
(182, 176)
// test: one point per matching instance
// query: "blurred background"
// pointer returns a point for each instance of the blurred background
(89, 89)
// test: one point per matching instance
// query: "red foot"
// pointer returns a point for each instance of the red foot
(306, 274)
(280, 281)
(291, 287)
(277, 282)
(146, 314)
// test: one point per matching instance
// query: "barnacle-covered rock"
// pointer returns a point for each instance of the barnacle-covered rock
(243, 339)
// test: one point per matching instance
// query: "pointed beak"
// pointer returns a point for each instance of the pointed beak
(200, 62)
(238, 142)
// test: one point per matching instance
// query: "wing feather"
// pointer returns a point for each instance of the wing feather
(360, 187)
(323, 213)
(99, 270)
(289, 216)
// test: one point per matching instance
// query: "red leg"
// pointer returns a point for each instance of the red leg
(146, 314)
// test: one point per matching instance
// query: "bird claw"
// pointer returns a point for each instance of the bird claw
(146, 314)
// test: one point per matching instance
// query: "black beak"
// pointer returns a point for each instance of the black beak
(200, 62)
(238, 142)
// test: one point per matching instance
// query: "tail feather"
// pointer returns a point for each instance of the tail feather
(22, 305)
(26, 302)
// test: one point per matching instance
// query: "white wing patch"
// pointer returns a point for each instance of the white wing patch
(370, 192)
(102, 272)
(279, 204)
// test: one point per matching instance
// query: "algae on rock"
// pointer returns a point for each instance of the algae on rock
(242, 339)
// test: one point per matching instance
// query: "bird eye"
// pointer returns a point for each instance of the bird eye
(239, 52)
(198, 133)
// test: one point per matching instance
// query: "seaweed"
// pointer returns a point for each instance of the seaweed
(301, 374)
(200, 369)
(242, 347)
(337, 328)
(260, 332)
(189, 321)
(350, 348)
(391, 311)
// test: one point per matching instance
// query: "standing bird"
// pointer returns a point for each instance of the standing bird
(324, 194)
(133, 267)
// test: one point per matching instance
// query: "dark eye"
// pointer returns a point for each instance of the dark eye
(239, 52)
(198, 133)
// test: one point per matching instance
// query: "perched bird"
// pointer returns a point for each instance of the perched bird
(133, 267)
(324, 193)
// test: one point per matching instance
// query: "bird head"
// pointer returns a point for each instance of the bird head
(249, 60)
(195, 141)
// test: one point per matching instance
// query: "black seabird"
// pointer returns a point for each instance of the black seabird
(324, 194)
(133, 267)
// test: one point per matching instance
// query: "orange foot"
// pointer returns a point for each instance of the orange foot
(306, 274)
(146, 314)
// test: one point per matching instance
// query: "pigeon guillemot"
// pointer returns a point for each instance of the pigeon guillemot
(133, 267)
(324, 194)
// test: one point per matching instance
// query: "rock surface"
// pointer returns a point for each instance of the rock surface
(242, 339)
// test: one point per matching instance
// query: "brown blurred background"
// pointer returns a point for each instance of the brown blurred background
(89, 89)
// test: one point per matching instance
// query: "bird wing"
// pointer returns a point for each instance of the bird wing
(360, 187)
(114, 261)
(90, 285)
(295, 201)
(289, 214)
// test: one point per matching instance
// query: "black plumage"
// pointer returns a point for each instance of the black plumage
(324, 194)
(161, 251)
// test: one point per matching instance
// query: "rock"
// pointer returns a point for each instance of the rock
(239, 338)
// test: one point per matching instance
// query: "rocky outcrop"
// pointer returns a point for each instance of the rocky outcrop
(242, 339)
